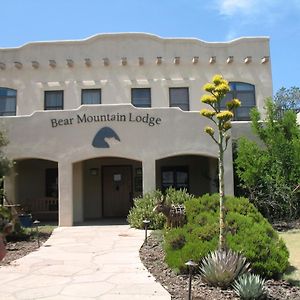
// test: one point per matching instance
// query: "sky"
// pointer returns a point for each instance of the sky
(24, 21)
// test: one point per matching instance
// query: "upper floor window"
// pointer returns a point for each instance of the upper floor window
(54, 100)
(141, 97)
(8, 100)
(91, 96)
(179, 97)
(245, 92)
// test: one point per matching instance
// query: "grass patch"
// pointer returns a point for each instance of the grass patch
(292, 241)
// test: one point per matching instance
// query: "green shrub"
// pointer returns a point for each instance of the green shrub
(143, 208)
(247, 232)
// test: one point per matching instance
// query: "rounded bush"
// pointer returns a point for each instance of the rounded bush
(248, 232)
(143, 208)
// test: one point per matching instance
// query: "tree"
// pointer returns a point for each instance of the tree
(270, 171)
(288, 99)
(217, 90)
(5, 163)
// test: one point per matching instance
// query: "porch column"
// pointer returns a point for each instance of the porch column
(149, 183)
(78, 192)
(65, 186)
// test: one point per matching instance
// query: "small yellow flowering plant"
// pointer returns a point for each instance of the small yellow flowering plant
(217, 90)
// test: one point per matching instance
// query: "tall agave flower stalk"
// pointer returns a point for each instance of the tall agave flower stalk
(217, 90)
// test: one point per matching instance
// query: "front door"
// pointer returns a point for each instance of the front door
(117, 190)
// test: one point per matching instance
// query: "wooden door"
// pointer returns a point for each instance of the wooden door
(117, 190)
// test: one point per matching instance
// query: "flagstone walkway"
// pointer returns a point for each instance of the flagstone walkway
(83, 262)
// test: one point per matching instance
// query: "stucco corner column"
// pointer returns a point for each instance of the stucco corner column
(149, 175)
(65, 186)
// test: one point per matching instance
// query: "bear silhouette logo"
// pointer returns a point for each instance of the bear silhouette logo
(105, 137)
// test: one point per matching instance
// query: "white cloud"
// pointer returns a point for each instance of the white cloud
(230, 7)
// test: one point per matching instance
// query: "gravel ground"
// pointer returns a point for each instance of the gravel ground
(152, 256)
(18, 249)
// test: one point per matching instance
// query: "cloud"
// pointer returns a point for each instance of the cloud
(267, 10)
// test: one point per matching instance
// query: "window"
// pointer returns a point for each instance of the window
(91, 96)
(141, 97)
(54, 100)
(245, 92)
(52, 182)
(176, 177)
(8, 100)
(179, 97)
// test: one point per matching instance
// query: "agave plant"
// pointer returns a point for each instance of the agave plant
(222, 267)
(250, 287)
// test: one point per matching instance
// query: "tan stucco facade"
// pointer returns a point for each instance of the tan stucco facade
(145, 140)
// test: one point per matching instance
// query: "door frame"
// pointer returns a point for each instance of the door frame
(102, 184)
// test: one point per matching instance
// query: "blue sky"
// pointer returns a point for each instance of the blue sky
(23, 21)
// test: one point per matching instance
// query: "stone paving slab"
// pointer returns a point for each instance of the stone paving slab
(83, 262)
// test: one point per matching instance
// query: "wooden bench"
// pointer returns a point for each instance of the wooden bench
(43, 209)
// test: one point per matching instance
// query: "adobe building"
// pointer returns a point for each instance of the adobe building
(94, 123)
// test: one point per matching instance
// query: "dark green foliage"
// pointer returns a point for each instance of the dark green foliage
(269, 172)
(143, 208)
(248, 232)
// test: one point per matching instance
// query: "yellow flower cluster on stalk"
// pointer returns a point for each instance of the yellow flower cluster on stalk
(217, 90)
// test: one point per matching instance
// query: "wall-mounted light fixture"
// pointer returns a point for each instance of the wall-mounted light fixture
(94, 171)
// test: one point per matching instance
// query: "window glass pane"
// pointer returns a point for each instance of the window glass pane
(91, 96)
(179, 97)
(167, 177)
(239, 86)
(52, 183)
(181, 177)
(228, 97)
(242, 113)
(8, 99)
(247, 99)
(141, 97)
(53, 100)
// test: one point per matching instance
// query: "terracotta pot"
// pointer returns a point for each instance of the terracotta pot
(2, 248)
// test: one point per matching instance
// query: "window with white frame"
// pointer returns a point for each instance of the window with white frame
(141, 97)
(91, 96)
(8, 102)
(245, 92)
(54, 100)
(179, 97)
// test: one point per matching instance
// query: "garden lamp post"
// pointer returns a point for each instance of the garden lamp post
(146, 223)
(36, 224)
(191, 265)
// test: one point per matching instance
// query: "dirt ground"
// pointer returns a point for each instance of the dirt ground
(18, 249)
(152, 256)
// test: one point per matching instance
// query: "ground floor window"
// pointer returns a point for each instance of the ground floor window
(52, 182)
(175, 177)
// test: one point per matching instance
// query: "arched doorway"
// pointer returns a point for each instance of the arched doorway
(109, 186)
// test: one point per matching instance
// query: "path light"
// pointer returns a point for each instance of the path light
(191, 265)
(146, 223)
(36, 224)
